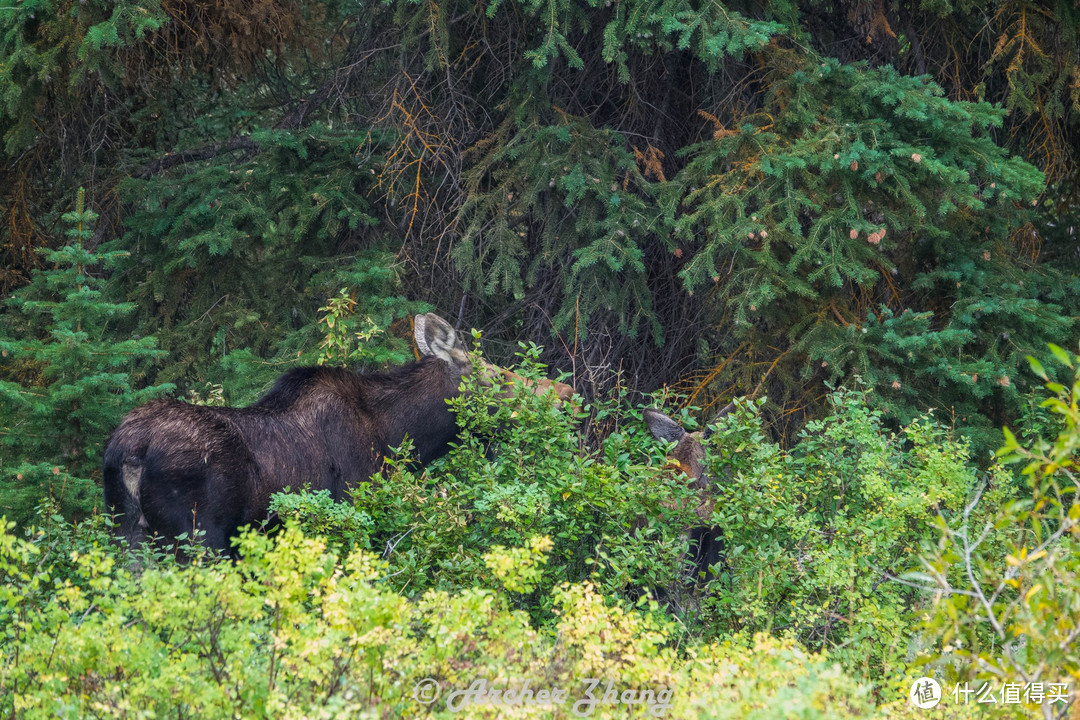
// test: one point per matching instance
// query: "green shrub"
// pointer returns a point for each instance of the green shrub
(295, 630)
(1006, 575)
(520, 469)
(524, 556)
(316, 513)
(814, 535)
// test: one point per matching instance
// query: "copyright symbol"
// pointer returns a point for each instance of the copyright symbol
(426, 691)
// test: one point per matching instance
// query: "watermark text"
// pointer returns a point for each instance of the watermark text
(583, 698)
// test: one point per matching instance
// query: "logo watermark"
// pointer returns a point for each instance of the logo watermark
(426, 691)
(1012, 693)
(583, 700)
(926, 693)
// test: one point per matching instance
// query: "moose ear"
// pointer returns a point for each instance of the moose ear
(723, 413)
(663, 427)
(435, 337)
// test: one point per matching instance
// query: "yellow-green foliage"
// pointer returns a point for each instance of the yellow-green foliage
(816, 533)
(518, 569)
(293, 630)
(521, 572)
(1008, 610)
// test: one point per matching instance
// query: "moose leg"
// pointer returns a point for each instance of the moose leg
(707, 546)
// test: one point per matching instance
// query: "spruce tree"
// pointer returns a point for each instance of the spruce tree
(66, 378)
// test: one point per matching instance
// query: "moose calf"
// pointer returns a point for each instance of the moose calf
(706, 541)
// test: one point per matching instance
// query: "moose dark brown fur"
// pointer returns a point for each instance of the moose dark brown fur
(706, 540)
(171, 467)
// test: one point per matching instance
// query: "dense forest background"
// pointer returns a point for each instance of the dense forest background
(734, 199)
(857, 218)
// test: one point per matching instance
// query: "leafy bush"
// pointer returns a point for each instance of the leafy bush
(295, 630)
(521, 469)
(814, 535)
(523, 556)
(1006, 575)
(317, 514)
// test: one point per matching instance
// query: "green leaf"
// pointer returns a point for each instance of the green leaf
(1037, 368)
(1061, 355)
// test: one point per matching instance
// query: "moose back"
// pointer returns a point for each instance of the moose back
(171, 467)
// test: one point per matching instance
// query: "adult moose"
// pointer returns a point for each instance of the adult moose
(171, 467)
(706, 541)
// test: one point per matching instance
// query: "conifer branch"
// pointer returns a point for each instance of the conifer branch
(206, 152)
